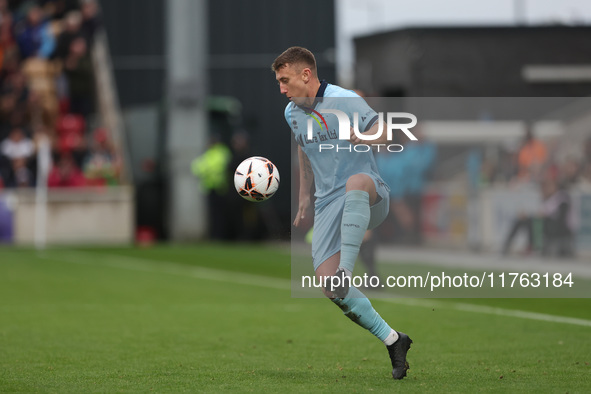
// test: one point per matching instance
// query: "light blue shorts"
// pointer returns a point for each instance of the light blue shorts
(326, 238)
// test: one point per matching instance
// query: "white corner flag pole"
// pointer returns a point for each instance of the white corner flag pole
(43, 166)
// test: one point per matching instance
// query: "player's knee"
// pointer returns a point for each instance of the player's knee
(360, 182)
(326, 281)
(337, 286)
(356, 182)
(328, 288)
(327, 293)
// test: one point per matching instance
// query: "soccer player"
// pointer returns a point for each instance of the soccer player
(350, 195)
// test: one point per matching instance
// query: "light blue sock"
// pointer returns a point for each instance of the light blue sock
(355, 220)
(358, 308)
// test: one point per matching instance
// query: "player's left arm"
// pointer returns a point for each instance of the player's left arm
(383, 139)
(368, 119)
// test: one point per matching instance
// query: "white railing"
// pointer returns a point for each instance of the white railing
(108, 102)
(43, 167)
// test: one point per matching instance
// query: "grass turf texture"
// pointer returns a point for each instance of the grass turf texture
(220, 318)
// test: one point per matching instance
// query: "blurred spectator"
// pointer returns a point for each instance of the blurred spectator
(91, 20)
(367, 252)
(102, 166)
(587, 150)
(392, 168)
(240, 147)
(479, 171)
(507, 168)
(70, 131)
(212, 168)
(239, 210)
(419, 157)
(33, 35)
(15, 88)
(58, 9)
(13, 103)
(553, 226)
(43, 105)
(569, 172)
(405, 173)
(586, 161)
(17, 149)
(78, 70)
(531, 157)
(585, 180)
(65, 173)
(71, 31)
(7, 42)
(10, 62)
(557, 220)
(74, 144)
(4, 8)
(245, 221)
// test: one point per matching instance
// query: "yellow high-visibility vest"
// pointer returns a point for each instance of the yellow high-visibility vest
(211, 168)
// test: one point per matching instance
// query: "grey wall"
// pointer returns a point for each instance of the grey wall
(136, 33)
(478, 61)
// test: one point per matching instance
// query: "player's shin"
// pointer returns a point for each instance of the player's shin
(356, 215)
(358, 308)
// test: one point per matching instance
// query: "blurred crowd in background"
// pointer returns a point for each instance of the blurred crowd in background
(530, 163)
(534, 160)
(47, 90)
(552, 229)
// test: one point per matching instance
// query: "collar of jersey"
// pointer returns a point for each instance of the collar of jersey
(319, 97)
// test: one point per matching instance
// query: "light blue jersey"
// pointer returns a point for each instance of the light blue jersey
(332, 167)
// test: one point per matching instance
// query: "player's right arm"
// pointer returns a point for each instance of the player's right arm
(306, 180)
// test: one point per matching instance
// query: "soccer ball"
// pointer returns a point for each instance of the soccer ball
(256, 179)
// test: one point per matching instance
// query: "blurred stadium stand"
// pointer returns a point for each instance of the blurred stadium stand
(115, 103)
(479, 89)
(56, 87)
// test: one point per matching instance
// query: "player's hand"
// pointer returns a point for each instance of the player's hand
(303, 210)
(353, 138)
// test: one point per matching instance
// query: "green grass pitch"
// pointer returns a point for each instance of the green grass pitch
(211, 318)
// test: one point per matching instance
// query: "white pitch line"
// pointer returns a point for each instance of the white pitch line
(521, 314)
(167, 267)
(489, 310)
